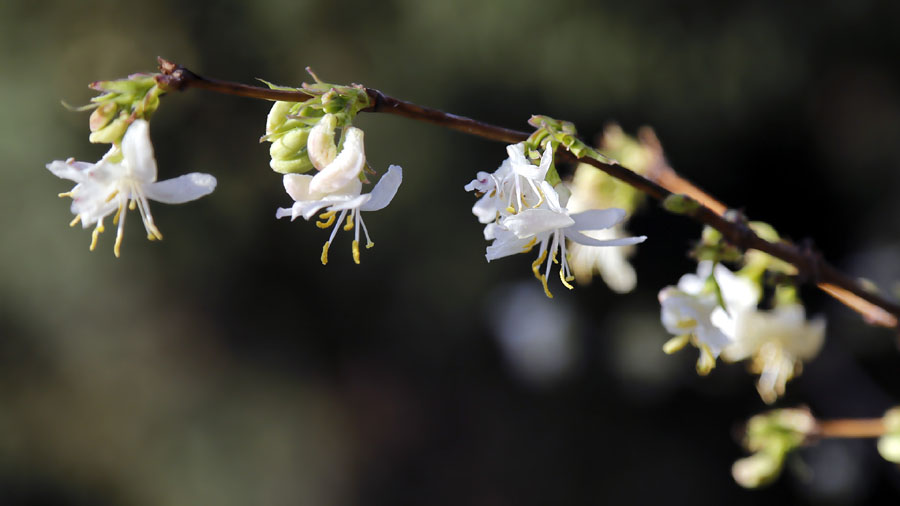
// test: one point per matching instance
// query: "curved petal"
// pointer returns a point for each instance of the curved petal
(596, 219)
(384, 190)
(344, 168)
(535, 221)
(138, 152)
(297, 186)
(320, 143)
(580, 238)
(182, 188)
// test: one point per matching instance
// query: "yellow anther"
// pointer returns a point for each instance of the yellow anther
(132, 205)
(537, 263)
(524, 202)
(112, 195)
(328, 219)
(66, 194)
(676, 344)
(349, 225)
(528, 247)
(493, 193)
(541, 200)
(117, 215)
(546, 289)
(356, 251)
(511, 210)
(118, 247)
(75, 221)
(706, 362)
(565, 281)
(369, 244)
(95, 235)
(553, 257)
(686, 324)
(325, 253)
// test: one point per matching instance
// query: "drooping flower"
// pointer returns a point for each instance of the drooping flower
(125, 177)
(777, 342)
(693, 311)
(521, 210)
(337, 190)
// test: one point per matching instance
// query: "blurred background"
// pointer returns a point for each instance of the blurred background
(226, 366)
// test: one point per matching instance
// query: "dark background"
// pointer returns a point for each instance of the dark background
(225, 365)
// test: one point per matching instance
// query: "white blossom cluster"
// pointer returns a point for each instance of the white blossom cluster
(521, 210)
(716, 310)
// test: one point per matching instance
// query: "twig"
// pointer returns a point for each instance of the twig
(874, 308)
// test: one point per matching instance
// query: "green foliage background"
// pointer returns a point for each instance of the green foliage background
(225, 365)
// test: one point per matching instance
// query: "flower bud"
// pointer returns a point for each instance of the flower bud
(320, 144)
(346, 166)
(103, 115)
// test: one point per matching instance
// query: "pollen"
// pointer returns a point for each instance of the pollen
(324, 257)
(546, 288)
(537, 263)
(349, 225)
(528, 247)
(565, 280)
(355, 251)
(75, 221)
(65, 194)
(95, 235)
(328, 219)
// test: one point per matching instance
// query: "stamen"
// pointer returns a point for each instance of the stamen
(349, 225)
(565, 282)
(356, 251)
(324, 257)
(132, 205)
(511, 209)
(118, 246)
(118, 214)
(528, 247)
(95, 235)
(328, 219)
(546, 289)
(75, 221)
(676, 343)
(112, 195)
(66, 194)
(706, 362)
(537, 263)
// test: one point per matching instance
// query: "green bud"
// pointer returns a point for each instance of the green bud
(102, 116)
(296, 166)
(278, 115)
(111, 133)
(290, 144)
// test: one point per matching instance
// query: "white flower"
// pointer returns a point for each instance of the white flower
(125, 177)
(552, 225)
(337, 189)
(514, 185)
(693, 313)
(778, 342)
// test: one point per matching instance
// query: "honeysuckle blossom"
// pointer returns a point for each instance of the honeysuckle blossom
(514, 185)
(693, 310)
(125, 177)
(521, 210)
(777, 342)
(337, 190)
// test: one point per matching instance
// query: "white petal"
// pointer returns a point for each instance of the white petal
(182, 188)
(535, 221)
(320, 144)
(343, 169)
(384, 190)
(580, 238)
(297, 186)
(596, 219)
(138, 152)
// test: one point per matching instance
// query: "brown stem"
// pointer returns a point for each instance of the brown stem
(850, 428)
(875, 309)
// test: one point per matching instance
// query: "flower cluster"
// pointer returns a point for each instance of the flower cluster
(337, 188)
(125, 177)
(521, 210)
(716, 310)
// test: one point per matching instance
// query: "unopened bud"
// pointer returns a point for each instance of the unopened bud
(102, 116)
